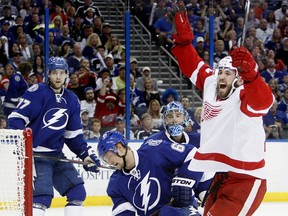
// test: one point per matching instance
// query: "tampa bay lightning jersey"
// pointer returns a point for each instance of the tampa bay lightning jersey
(192, 138)
(147, 187)
(53, 118)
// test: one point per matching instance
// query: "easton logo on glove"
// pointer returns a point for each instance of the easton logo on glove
(183, 182)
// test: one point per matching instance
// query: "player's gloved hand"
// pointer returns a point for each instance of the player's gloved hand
(181, 28)
(182, 191)
(245, 63)
(91, 160)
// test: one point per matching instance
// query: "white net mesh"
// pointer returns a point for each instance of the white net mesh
(12, 157)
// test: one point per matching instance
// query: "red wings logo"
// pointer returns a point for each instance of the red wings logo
(210, 111)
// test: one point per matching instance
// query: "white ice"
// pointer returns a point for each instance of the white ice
(266, 209)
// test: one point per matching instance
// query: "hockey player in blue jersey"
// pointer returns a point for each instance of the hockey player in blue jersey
(53, 114)
(145, 182)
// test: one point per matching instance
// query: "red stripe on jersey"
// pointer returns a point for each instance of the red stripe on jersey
(229, 161)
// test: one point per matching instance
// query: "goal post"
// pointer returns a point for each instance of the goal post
(16, 181)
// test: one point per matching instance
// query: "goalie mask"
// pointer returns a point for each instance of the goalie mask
(225, 64)
(175, 118)
(108, 142)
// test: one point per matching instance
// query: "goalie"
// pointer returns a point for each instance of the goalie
(232, 136)
(53, 114)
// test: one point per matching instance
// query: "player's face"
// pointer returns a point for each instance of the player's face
(224, 82)
(174, 117)
(113, 159)
(57, 78)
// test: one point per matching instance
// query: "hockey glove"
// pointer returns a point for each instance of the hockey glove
(181, 28)
(245, 63)
(182, 191)
(91, 160)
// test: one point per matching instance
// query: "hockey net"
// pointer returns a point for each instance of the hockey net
(16, 172)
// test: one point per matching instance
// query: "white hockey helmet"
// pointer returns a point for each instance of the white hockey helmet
(226, 64)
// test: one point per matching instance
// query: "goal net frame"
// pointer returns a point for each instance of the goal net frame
(16, 146)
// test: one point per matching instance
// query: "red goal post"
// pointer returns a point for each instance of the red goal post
(16, 181)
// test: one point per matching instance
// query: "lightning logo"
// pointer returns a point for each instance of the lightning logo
(58, 120)
(145, 188)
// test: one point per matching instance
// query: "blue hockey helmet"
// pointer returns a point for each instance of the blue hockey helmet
(108, 142)
(59, 63)
(175, 129)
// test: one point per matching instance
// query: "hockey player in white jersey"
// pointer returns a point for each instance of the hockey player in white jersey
(235, 98)
(53, 114)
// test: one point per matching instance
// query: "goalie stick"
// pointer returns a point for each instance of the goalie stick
(72, 161)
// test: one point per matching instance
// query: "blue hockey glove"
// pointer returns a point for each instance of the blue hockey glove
(91, 160)
(182, 191)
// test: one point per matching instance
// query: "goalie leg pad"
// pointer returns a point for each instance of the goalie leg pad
(38, 212)
(174, 211)
(73, 211)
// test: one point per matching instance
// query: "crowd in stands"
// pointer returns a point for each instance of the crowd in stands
(96, 58)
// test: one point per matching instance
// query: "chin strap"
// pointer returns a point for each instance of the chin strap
(123, 157)
(233, 87)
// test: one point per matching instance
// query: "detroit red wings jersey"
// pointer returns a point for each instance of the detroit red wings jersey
(232, 134)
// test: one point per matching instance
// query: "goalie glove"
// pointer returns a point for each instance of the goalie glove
(181, 28)
(92, 162)
(245, 64)
(182, 191)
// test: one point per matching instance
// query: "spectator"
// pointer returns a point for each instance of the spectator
(184, 100)
(75, 87)
(197, 120)
(239, 27)
(86, 77)
(53, 48)
(104, 76)
(7, 14)
(281, 12)
(89, 103)
(25, 49)
(263, 33)
(137, 98)
(199, 31)
(280, 66)
(200, 46)
(149, 93)
(120, 79)
(114, 48)
(163, 30)
(18, 29)
(59, 12)
(146, 73)
(38, 68)
(154, 111)
(16, 60)
(134, 118)
(160, 11)
(273, 84)
(86, 127)
(283, 82)
(94, 133)
(70, 12)
(86, 4)
(282, 53)
(273, 122)
(98, 62)
(4, 50)
(32, 24)
(252, 20)
(191, 16)
(97, 25)
(108, 108)
(66, 35)
(74, 60)
(276, 40)
(147, 127)
(120, 127)
(109, 62)
(57, 29)
(18, 85)
(5, 79)
(5, 25)
(272, 23)
(77, 29)
(106, 33)
(134, 67)
(219, 51)
(168, 95)
(89, 15)
(90, 51)
(270, 72)
(66, 49)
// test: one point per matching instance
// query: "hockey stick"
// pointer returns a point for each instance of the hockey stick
(247, 8)
(72, 161)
